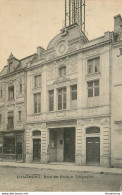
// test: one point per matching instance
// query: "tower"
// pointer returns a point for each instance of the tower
(75, 13)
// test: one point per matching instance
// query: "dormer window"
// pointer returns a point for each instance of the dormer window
(10, 66)
(62, 71)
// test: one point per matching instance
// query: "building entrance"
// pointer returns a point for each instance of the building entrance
(36, 149)
(69, 145)
(62, 145)
(92, 150)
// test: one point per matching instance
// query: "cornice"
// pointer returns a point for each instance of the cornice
(68, 54)
(12, 73)
(117, 44)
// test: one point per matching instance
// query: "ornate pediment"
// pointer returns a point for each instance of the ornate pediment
(61, 80)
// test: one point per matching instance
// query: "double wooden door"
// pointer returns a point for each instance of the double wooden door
(36, 149)
(92, 150)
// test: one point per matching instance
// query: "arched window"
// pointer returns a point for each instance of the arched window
(92, 130)
(36, 133)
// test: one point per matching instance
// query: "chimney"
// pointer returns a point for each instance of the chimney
(40, 51)
(117, 24)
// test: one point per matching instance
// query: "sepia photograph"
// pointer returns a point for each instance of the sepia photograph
(60, 96)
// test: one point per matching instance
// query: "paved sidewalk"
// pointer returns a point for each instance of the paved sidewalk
(64, 167)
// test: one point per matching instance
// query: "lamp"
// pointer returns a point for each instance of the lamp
(120, 49)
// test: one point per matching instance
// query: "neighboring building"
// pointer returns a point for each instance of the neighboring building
(13, 109)
(116, 94)
(67, 98)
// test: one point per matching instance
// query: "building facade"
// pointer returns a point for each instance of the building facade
(70, 101)
(13, 110)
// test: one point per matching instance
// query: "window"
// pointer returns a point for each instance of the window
(62, 71)
(51, 100)
(1, 93)
(36, 133)
(9, 145)
(10, 120)
(37, 102)
(37, 81)
(11, 92)
(93, 88)
(20, 88)
(93, 65)
(62, 99)
(0, 118)
(10, 66)
(20, 115)
(74, 92)
(92, 130)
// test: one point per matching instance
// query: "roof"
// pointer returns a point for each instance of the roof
(69, 33)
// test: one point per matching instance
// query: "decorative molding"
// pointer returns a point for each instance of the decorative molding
(61, 114)
(119, 131)
(61, 80)
(73, 68)
(93, 121)
(93, 76)
(62, 124)
(61, 47)
(118, 122)
(51, 74)
(43, 125)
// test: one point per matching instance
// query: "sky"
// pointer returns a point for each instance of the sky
(27, 24)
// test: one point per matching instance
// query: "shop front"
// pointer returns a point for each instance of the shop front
(12, 146)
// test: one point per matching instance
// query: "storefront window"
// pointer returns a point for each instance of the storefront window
(9, 145)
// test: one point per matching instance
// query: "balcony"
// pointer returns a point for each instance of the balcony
(10, 126)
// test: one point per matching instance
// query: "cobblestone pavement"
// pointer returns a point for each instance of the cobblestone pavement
(32, 180)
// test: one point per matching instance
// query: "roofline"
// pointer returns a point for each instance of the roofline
(27, 57)
(69, 54)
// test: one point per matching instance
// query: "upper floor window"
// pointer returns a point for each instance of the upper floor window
(51, 100)
(93, 88)
(62, 98)
(11, 92)
(20, 115)
(93, 65)
(10, 66)
(1, 93)
(37, 81)
(10, 120)
(0, 118)
(62, 71)
(20, 88)
(74, 92)
(37, 103)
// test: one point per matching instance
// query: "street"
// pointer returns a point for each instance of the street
(35, 180)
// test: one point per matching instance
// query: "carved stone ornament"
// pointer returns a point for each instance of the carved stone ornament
(50, 74)
(61, 47)
(73, 68)
(119, 131)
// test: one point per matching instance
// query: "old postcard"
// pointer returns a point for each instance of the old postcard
(60, 96)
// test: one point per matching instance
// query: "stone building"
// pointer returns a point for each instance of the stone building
(13, 109)
(70, 100)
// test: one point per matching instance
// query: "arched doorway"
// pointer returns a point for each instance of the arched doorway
(93, 145)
